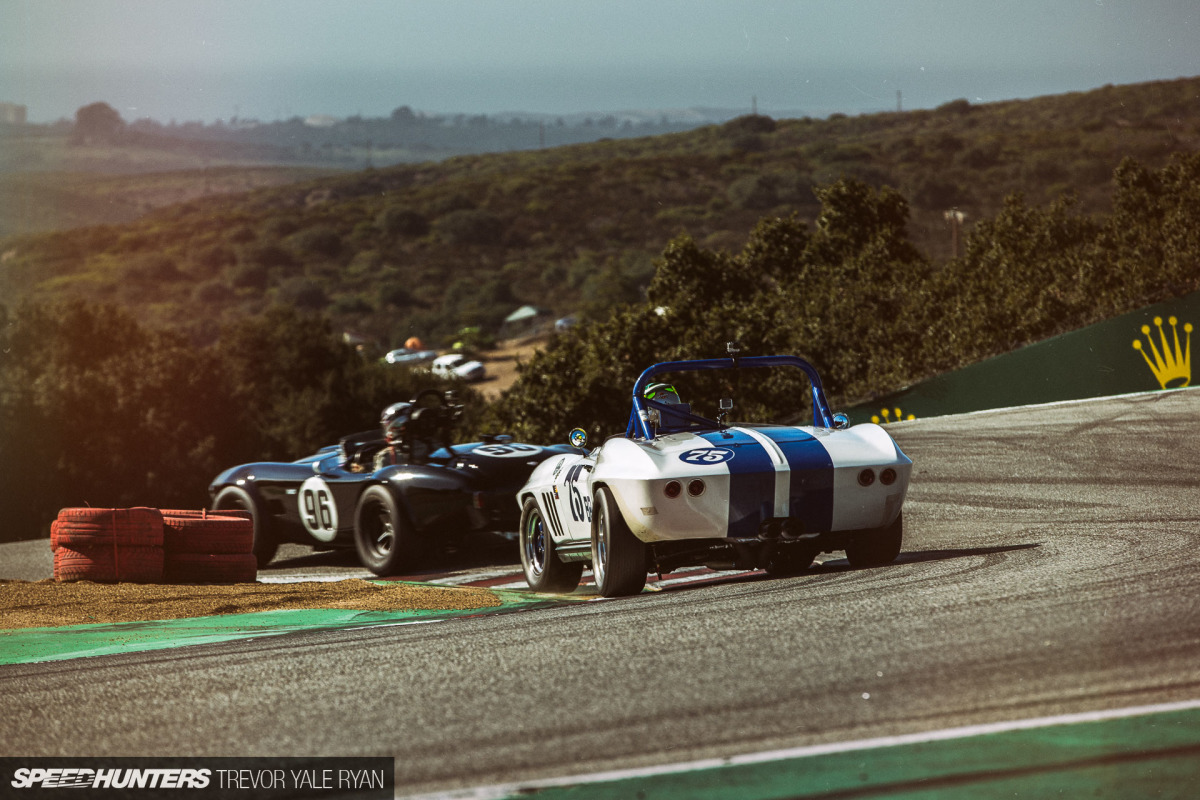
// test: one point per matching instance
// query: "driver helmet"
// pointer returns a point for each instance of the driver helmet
(394, 421)
(662, 393)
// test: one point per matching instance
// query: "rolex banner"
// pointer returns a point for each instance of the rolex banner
(1146, 350)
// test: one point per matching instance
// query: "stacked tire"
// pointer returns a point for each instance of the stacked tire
(108, 545)
(209, 547)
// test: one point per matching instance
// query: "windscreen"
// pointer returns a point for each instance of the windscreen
(760, 395)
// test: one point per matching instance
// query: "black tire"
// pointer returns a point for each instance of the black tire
(790, 560)
(878, 547)
(383, 537)
(544, 572)
(236, 498)
(618, 557)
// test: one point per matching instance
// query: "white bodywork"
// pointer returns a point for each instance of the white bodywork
(750, 475)
(457, 365)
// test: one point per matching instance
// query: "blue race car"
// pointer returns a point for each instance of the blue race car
(392, 493)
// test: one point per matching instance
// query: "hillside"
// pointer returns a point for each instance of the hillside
(425, 249)
(32, 202)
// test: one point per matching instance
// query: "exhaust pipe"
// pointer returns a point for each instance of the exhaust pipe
(793, 529)
(770, 530)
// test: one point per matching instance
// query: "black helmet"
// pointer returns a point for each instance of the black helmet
(394, 421)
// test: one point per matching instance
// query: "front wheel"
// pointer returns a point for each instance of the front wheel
(618, 557)
(382, 536)
(878, 547)
(544, 572)
(235, 498)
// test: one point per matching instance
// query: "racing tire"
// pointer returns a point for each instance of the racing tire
(618, 557)
(878, 547)
(210, 568)
(790, 560)
(96, 527)
(108, 563)
(207, 532)
(384, 539)
(544, 571)
(235, 498)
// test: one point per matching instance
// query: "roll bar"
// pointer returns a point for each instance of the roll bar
(639, 417)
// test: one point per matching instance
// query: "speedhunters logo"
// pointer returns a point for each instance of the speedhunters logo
(81, 778)
(217, 778)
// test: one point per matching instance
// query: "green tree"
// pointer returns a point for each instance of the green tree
(96, 411)
(97, 123)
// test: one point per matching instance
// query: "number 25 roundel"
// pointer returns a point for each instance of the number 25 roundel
(709, 455)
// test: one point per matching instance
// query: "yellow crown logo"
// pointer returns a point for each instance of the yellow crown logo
(887, 416)
(1172, 367)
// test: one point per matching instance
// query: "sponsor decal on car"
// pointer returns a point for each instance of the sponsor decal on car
(506, 450)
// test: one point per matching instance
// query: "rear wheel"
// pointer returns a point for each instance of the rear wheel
(544, 572)
(878, 547)
(384, 540)
(618, 557)
(236, 498)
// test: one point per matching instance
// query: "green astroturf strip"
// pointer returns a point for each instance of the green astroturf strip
(31, 645)
(1156, 755)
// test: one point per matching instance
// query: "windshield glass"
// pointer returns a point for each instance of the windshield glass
(760, 396)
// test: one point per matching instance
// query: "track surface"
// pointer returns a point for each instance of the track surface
(1051, 565)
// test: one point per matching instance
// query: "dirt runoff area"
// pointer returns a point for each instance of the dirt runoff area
(46, 603)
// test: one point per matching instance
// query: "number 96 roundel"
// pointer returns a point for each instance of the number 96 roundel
(318, 512)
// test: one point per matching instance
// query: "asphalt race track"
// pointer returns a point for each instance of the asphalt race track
(1051, 566)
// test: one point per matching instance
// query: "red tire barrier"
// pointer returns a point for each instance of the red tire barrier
(205, 513)
(108, 563)
(88, 527)
(210, 568)
(207, 532)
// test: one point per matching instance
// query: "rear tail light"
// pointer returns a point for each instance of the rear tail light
(696, 488)
(887, 477)
(866, 477)
(672, 489)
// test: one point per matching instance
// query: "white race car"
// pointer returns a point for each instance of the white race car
(679, 490)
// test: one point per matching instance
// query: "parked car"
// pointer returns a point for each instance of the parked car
(405, 355)
(391, 496)
(679, 489)
(456, 365)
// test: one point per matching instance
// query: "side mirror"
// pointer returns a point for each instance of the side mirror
(726, 403)
(578, 438)
(840, 421)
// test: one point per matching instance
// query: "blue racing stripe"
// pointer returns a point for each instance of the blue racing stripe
(811, 497)
(751, 482)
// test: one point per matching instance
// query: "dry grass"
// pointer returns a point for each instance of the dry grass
(41, 604)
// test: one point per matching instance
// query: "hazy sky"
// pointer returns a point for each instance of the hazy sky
(269, 59)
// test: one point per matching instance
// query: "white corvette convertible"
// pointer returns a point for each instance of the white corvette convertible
(679, 489)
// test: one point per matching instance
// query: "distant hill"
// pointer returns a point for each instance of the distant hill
(427, 248)
(62, 175)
